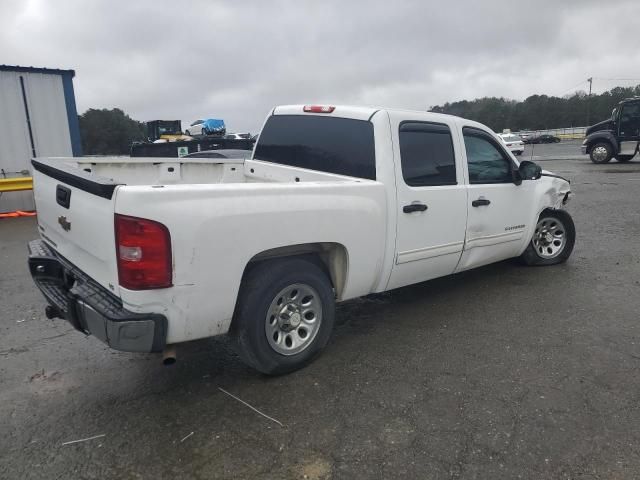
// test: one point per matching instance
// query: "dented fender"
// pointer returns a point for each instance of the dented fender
(551, 192)
(557, 191)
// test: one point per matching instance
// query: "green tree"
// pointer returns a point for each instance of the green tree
(109, 132)
(539, 112)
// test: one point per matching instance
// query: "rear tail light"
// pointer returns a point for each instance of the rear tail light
(509, 144)
(318, 108)
(143, 249)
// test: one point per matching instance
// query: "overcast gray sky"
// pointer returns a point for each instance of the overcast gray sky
(235, 60)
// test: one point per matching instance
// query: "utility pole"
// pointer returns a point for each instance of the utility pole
(590, 80)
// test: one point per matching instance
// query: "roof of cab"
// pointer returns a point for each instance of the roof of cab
(358, 113)
(366, 112)
(354, 111)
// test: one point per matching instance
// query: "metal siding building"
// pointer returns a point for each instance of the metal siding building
(38, 118)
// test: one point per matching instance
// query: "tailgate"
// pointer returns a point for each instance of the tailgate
(76, 217)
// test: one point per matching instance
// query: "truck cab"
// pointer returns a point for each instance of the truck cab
(616, 137)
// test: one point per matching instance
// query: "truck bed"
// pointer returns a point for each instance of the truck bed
(221, 214)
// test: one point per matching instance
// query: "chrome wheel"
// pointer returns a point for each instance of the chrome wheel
(599, 154)
(293, 319)
(549, 238)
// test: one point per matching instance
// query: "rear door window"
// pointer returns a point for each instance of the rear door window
(342, 146)
(426, 153)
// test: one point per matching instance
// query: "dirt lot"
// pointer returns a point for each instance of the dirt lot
(504, 372)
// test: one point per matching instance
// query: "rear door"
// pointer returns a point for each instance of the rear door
(498, 209)
(76, 217)
(431, 199)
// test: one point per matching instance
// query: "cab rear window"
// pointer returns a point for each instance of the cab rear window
(342, 146)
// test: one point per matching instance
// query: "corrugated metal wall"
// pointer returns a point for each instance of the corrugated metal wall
(49, 125)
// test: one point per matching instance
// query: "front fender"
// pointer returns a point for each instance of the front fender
(555, 191)
(551, 192)
(602, 136)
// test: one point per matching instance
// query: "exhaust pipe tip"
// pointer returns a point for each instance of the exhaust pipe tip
(169, 355)
(51, 312)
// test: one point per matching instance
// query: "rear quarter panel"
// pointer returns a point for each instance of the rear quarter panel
(217, 229)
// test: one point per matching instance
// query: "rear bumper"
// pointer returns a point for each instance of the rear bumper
(91, 308)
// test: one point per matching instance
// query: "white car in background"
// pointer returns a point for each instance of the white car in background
(513, 142)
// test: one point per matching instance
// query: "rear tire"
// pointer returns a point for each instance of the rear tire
(553, 239)
(284, 315)
(601, 152)
(188, 133)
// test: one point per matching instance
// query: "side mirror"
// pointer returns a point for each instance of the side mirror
(529, 170)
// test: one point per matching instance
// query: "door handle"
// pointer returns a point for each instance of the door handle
(480, 202)
(414, 207)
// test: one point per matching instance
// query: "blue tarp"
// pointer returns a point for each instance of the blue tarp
(214, 125)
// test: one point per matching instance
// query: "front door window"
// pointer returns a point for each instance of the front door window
(630, 120)
(487, 162)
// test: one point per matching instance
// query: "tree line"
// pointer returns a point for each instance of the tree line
(109, 132)
(539, 112)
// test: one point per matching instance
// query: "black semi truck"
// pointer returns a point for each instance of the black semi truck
(616, 137)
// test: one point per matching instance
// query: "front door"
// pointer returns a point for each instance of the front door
(498, 209)
(629, 128)
(431, 200)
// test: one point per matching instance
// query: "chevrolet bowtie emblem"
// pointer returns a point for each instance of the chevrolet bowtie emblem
(66, 226)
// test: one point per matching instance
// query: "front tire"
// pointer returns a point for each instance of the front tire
(284, 316)
(553, 239)
(601, 152)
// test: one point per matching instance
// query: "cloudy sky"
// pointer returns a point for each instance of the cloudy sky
(235, 60)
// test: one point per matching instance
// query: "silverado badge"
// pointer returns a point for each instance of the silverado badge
(66, 226)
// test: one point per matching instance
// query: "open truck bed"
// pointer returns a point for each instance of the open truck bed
(220, 214)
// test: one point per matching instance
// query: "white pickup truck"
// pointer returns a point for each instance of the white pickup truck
(333, 203)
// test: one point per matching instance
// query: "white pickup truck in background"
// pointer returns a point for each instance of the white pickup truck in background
(334, 203)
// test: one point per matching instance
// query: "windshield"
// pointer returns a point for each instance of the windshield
(330, 144)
